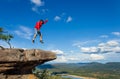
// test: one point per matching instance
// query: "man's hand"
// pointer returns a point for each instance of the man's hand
(45, 21)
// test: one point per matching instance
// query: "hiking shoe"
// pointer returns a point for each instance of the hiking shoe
(33, 41)
(41, 41)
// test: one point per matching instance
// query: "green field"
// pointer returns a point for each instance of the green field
(97, 70)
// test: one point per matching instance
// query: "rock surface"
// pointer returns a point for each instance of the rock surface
(18, 63)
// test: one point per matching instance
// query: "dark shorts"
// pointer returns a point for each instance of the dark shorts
(37, 32)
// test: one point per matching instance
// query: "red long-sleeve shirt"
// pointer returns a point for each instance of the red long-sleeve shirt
(39, 24)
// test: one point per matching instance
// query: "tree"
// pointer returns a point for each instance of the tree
(1, 30)
(42, 74)
(5, 37)
(46, 74)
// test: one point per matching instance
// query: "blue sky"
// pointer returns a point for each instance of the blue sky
(78, 30)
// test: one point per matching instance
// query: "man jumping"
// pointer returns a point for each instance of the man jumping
(37, 30)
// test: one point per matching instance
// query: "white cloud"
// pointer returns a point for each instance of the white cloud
(42, 11)
(101, 44)
(26, 29)
(116, 49)
(61, 59)
(105, 49)
(58, 52)
(83, 43)
(104, 36)
(78, 57)
(116, 33)
(57, 18)
(18, 32)
(78, 43)
(24, 32)
(60, 56)
(113, 43)
(100, 52)
(35, 9)
(73, 59)
(96, 57)
(63, 18)
(89, 49)
(108, 47)
(37, 2)
(69, 19)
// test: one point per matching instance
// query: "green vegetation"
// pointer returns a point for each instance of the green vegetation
(96, 70)
(5, 37)
(45, 74)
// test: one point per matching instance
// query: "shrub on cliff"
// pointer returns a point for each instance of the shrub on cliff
(45, 74)
(5, 36)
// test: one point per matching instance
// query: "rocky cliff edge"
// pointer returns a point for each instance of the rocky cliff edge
(21, 62)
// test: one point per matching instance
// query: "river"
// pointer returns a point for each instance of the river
(69, 76)
(75, 77)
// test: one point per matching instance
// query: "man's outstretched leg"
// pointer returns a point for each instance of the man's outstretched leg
(34, 38)
(40, 37)
(35, 34)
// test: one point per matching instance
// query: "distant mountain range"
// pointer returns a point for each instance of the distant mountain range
(113, 65)
(110, 70)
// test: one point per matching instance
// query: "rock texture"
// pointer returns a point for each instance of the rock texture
(18, 63)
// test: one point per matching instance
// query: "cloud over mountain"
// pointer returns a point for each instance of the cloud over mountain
(109, 46)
